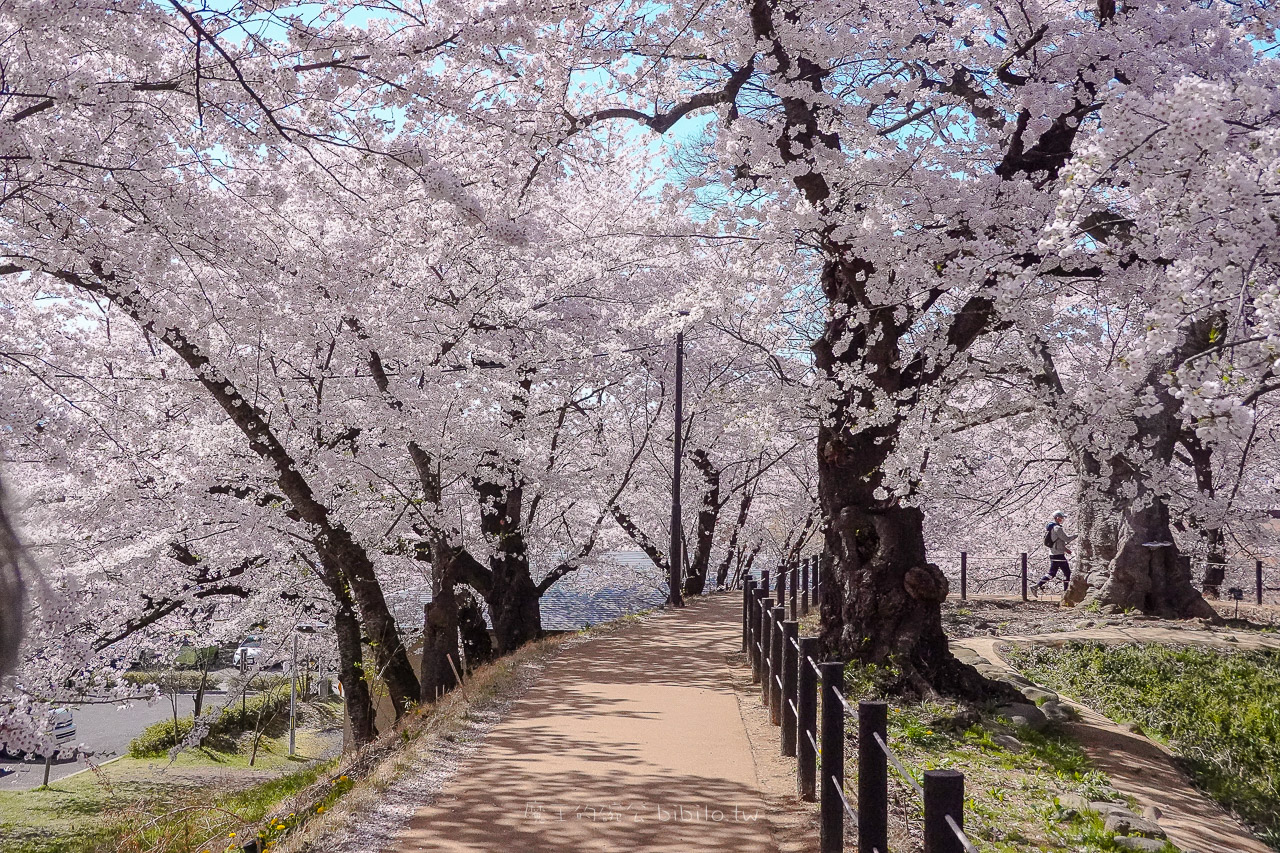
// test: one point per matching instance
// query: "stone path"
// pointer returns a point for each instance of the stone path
(629, 741)
(1137, 765)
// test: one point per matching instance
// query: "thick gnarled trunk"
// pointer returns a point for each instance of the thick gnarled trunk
(881, 598)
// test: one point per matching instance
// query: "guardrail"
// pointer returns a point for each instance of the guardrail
(791, 681)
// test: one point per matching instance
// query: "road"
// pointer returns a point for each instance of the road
(102, 729)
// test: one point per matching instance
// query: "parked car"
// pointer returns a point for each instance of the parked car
(249, 651)
(64, 726)
(64, 732)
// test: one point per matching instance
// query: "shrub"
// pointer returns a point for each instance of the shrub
(167, 680)
(157, 738)
(196, 657)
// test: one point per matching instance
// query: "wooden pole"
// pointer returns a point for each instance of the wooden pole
(831, 808)
(790, 661)
(873, 778)
(943, 797)
(807, 722)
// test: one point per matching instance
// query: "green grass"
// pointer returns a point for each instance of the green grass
(1218, 710)
(1011, 790)
(199, 797)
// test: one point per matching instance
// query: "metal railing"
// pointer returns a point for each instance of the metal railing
(792, 680)
(1006, 574)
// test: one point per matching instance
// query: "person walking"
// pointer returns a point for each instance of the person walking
(1058, 541)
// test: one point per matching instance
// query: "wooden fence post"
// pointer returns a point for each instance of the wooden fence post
(943, 797)
(873, 778)
(1024, 575)
(790, 661)
(804, 587)
(964, 575)
(775, 665)
(794, 588)
(766, 637)
(831, 838)
(757, 604)
(807, 721)
(747, 586)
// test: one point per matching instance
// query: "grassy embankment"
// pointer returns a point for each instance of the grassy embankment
(1219, 711)
(1013, 776)
(208, 801)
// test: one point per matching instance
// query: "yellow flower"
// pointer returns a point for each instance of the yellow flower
(320, 810)
(231, 835)
(929, 732)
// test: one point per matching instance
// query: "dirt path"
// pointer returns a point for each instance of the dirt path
(1138, 766)
(629, 741)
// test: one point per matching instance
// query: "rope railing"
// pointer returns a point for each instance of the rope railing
(906, 775)
(792, 679)
(960, 836)
(844, 801)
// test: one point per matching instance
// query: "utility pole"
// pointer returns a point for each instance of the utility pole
(676, 596)
(293, 695)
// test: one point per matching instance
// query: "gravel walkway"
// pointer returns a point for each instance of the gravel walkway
(629, 741)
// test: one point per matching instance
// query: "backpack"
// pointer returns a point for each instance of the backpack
(1048, 534)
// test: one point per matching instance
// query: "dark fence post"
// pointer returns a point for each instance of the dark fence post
(1257, 579)
(775, 665)
(804, 587)
(943, 796)
(757, 604)
(817, 581)
(831, 839)
(794, 587)
(964, 575)
(747, 586)
(807, 721)
(790, 660)
(1024, 575)
(873, 778)
(766, 637)
(781, 594)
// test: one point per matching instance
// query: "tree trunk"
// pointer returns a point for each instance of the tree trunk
(514, 605)
(881, 598)
(695, 581)
(351, 675)
(1210, 530)
(476, 642)
(512, 596)
(440, 631)
(731, 553)
(1126, 540)
(1144, 569)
